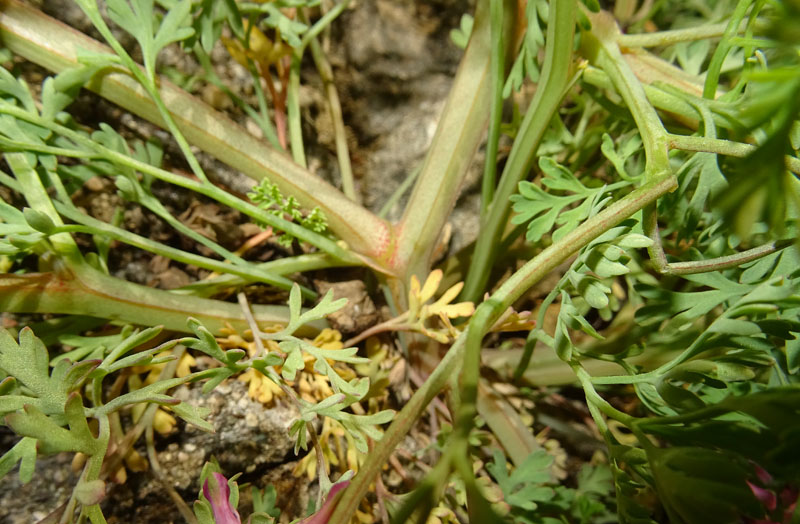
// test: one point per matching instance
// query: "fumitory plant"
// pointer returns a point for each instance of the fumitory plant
(638, 244)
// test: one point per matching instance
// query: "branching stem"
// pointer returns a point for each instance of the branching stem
(674, 36)
(723, 147)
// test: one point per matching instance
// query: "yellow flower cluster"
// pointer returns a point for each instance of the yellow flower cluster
(310, 385)
(419, 311)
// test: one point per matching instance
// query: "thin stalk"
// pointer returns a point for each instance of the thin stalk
(664, 368)
(498, 65)
(593, 398)
(293, 111)
(151, 203)
(725, 45)
(534, 336)
(458, 135)
(726, 262)
(247, 273)
(674, 36)
(398, 193)
(94, 466)
(261, 117)
(724, 147)
(335, 109)
(551, 89)
(323, 23)
(158, 473)
(30, 185)
(332, 96)
(280, 267)
(42, 40)
(393, 324)
(650, 213)
(704, 413)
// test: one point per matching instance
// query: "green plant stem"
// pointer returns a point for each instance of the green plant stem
(724, 147)
(332, 96)
(261, 117)
(85, 291)
(659, 259)
(483, 319)
(593, 398)
(159, 210)
(534, 334)
(601, 49)
(725, 45)
(94, 466)
(546, 369)
(674, 36)
(279, 267)
(335, 109)
(323, 23)
(38, 38)
(551, 89)
(398, 193)
(245, 273)
(498, 64)
(649, 376)
(705, 413)
(421, 501)
(150, 202)
(293, 111)
(720, 263)
(458, 135)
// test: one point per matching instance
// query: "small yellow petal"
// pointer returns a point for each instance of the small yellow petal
(431, 285)
(186, 362)
(328, 339)
(451, 294)
(260, 45)
(135, 462)
(163, 422)
(119, 476)
(462, 309)
(236, 50)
